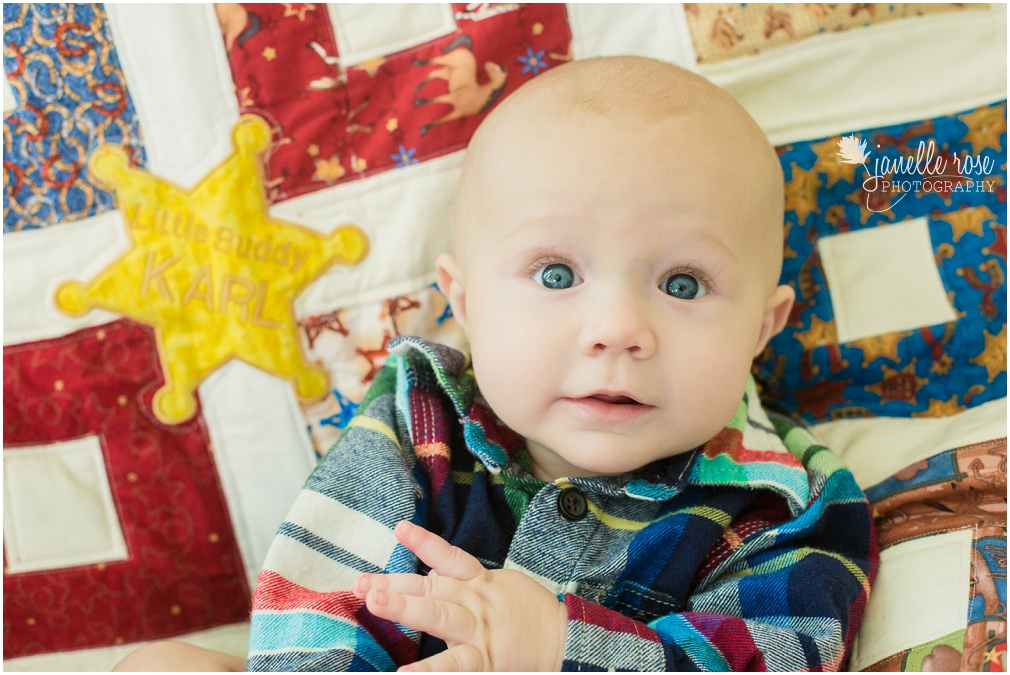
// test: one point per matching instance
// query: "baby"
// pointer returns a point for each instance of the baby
(613, 496)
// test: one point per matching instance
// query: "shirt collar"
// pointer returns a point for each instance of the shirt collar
(749, 452)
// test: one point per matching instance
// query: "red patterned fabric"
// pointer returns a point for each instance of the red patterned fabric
(331, 133)
(184, 572)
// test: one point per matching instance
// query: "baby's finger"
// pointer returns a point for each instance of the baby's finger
(437, 553)
(461, 658)
(432, 586)
(445, 620)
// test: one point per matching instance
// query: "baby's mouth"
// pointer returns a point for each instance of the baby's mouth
(619, 400)
(610, 407)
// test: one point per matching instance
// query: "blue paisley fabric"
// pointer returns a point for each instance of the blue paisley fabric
(71, 96)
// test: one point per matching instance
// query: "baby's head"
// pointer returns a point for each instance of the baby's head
(618, 231)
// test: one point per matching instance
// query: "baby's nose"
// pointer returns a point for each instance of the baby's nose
(618, 327)
(617, 344)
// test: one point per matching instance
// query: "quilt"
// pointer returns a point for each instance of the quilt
(216, 217)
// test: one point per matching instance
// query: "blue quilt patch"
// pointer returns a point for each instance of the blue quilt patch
(932, 371)
(71, 97)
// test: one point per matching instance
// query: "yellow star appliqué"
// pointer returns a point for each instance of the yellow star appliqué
(939, 408)
(801, 192)
(993, 356)
(211, 271)
(993, 656)
(885, 345)
(985, 126)
(819, 334)
(329, 170)
(969, 219)
(831, 164)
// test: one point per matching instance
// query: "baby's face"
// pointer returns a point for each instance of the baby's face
(620, 258)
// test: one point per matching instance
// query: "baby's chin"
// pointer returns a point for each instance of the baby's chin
(607, 459)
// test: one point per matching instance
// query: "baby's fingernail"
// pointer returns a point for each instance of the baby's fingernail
(364, 584)
(379, 597)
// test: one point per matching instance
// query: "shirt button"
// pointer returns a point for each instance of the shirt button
(572, 504)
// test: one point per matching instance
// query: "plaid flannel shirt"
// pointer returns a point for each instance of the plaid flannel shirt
(754, 552)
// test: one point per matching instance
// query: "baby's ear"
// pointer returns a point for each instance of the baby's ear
(450, 282)
(776, 315)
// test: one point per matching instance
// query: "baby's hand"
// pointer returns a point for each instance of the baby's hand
(490, 619)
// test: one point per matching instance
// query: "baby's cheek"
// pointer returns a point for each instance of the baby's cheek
(520, 385)
(707, 379)
(516, 339)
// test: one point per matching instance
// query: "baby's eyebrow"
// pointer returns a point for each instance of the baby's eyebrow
(689, 234)
(541, 222)
(709, 239)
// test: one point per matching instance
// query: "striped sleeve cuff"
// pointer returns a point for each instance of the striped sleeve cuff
(602, 639)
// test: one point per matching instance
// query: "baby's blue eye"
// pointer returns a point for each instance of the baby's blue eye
(557, 276)
(684, 286)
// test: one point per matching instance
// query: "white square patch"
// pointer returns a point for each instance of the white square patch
(365, 31)
(58, 507)
(884, 280)
(920, 594)
(657, 31)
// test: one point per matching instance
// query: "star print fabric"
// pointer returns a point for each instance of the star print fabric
(933, 371)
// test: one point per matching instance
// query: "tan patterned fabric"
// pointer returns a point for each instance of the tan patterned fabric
(975, 498)
(723, 31)
(351, 343)
(962, 489)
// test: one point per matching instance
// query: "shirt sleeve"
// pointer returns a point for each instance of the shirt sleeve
(787, 597)
(304, 616)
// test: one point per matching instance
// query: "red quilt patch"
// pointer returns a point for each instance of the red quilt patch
(184, 571)
(337, 123)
